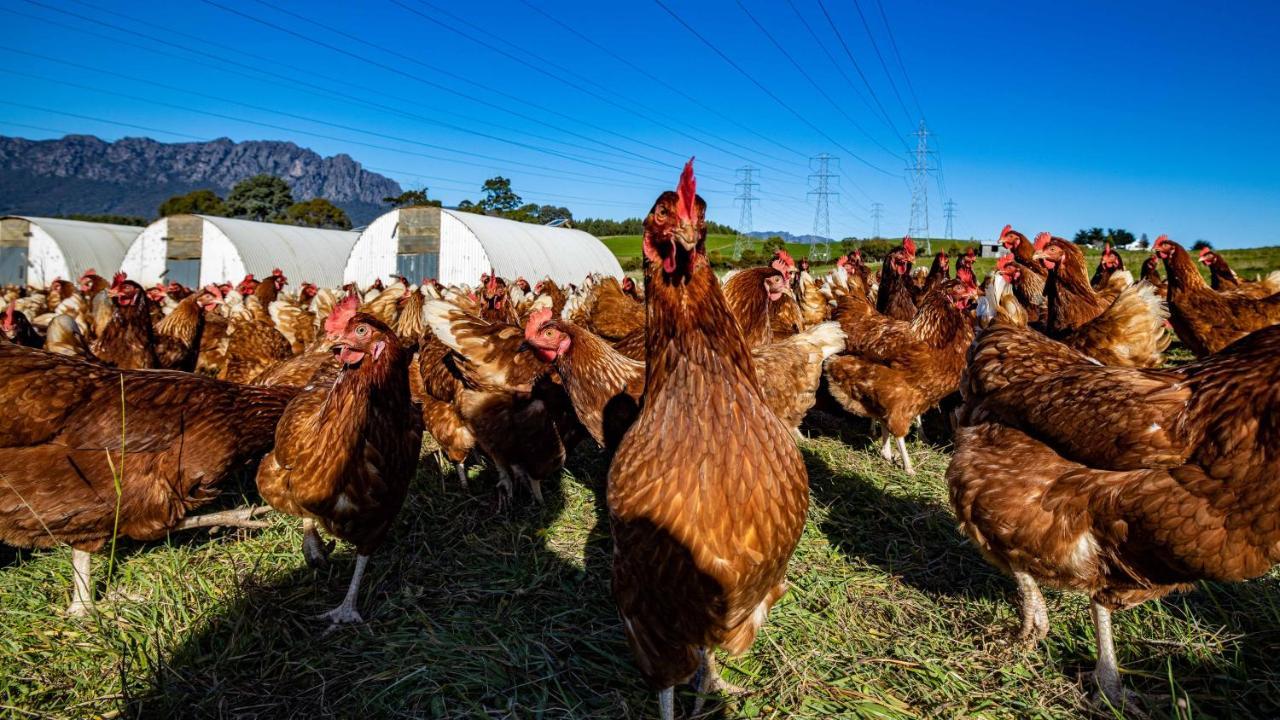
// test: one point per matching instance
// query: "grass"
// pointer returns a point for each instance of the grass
(475, 614)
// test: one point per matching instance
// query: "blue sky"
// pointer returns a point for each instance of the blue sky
(1157, 117)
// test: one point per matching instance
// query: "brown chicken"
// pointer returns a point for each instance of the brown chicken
(1206, 320)
(177, 337)
(1130, 332)
(345, 453)
(295, 319)
(1030, 286)
(15, 328)
(1108, 265)
(752, 294)
(1224, 279)
(1070, 300)
(895, 370)
(64, 431)
(253, 342)
(127, 339)
(1152, 276)
(700, 554)
(895, 298)
(1121, 483)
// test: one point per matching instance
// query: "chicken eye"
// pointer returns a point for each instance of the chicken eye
(362, 330)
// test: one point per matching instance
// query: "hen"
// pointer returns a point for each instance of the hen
(752, 294)
(65, 430)
(253, 342)
(345, 453)
(1030, 286)
(15, 328)
(1121, 483)
(1224, 279)
(895, 370)
(895, 298)
(1206, 320)
(700, 552)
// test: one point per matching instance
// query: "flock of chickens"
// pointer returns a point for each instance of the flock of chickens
(1078, 461)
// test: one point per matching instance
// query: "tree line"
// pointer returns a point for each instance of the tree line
(264, 198)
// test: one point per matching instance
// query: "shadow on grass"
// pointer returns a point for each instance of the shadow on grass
(468, 614)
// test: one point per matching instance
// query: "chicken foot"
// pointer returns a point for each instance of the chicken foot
(346, 612)
(81, 584)
(239, 517)
(667, 703)
(886, 445)
(708, 681)
(314, 550)
(1035, 615)
(907, 467)
(1107, 672)
(462, 473)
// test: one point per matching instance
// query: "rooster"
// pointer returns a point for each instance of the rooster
(1124, 484)
(700, 552)
(1206, 320)
(344, 454)
(67, 444)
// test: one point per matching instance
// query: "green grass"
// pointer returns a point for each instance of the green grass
(470, 613)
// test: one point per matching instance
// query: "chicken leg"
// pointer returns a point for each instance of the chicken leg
(314, 550)
(708, 681)
(346, 612)
(886, 445)
(907, 467)
(1107, 672)
(1035, 616)
(81, 584)
(667, 703)
(462, 474)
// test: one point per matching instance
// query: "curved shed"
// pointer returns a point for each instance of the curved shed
(35, 250)
(457, 247)
(201, 249)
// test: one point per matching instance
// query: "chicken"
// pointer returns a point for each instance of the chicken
(294, 319)
(1030, 286)
(65, 338)
(345, 453)
(501, 398)
(895, 369)
(700, 555)
(1152, 276)
(1071, 301)
(895, 298)
(1206, 320)
(253, 342)
(15, 328)
(126, 341)
(1108, 265)
(66, 439)
(177, 337)
(1130, 332)
(1124, 484)
(752, 295)
(814, 307)
(938, 271)
(1224, 279)
(606, 310)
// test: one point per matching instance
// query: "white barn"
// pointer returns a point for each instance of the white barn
(457, 247)
(201, 249)
(36, 250)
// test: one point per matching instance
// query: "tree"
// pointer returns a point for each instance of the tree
(412, 198)
(196, 202)
(1119, 237)
(1201, 244)
(1091, 236)
(498, 196)
(775, 242)
(1143, 242)
(468, 206)
(317, 213)
(261, 198)
(110, 219)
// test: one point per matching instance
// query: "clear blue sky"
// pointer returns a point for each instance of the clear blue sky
(1156, 117)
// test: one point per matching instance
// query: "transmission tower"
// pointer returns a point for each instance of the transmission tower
(820, 180)
(918, 227)
(746, 185)
(949, 209)
(877, 212)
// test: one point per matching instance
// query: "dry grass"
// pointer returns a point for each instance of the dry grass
(474, 614)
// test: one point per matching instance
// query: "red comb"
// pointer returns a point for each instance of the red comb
(842, 261)
(213, 290)
(8, 313)
(1004, 261)
(118, 278)
(784, 256)
(341, 314)
(1042, 240)
(1007, 229)
(1205, 251)
(1162, 239)
(492, 285)
(1106, 249)
(277, 271)
(687, 193)
(910, 245)
(536, 319)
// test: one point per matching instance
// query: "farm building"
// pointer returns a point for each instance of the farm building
(200, 249)
(456, 247)
(35, 250)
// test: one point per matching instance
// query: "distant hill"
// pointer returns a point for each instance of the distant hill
(788, 237)
(132, 176)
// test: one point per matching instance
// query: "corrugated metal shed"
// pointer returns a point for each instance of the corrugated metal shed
(456, 247)
(66, 248)
(304, 254)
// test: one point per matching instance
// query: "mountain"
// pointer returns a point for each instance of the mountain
(132, 176)
(788, 237)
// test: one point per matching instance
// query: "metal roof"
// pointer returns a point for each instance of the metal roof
(304, 254)
(516, 248)
(86, 245)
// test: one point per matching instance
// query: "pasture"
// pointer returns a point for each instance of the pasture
(474, 613)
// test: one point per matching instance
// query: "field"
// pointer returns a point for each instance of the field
(470, 613)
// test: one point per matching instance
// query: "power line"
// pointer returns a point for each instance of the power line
(901, 66)
(848, 81)
(919, 222)
(768, 92)
(877, 212)
(883, 64)
(808, 77)
(746, 185)
(820, 250)
(949, 210)
(849, 54)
